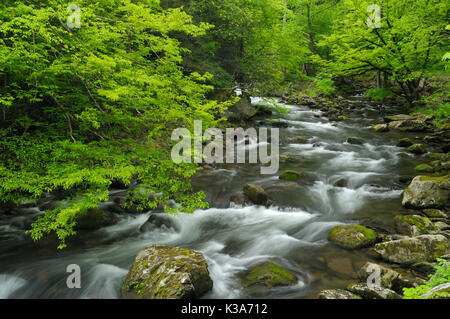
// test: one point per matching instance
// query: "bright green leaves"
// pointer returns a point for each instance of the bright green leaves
(86, 106)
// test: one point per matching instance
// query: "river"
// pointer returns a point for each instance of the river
(292, 232)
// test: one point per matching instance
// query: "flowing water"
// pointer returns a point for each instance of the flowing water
(292, 232)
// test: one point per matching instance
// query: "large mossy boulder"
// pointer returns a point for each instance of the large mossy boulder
(417, 149)
(404, 142)
(426, 192)
(256, 194)
(269, 275)
(412, 250)
(165, 272)
(352, 236)
(413, 225)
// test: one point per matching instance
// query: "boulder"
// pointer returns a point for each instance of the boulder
(269, 275)
(380, 127)
(424, 168)
(426, 192)
(352, 236)
(372, 291)
(414, 249)
(399, 117)
(241, 111)
(434, 213)
(417, 149)
(158, 221)
(291, 175)
(404, 142)
(337, 294)
(165, 272)
(355, 140)
(256, 194)
(389, 278)
(413, 225)
(408, 125)
(95, 218)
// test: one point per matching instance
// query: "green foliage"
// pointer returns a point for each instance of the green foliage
(323, 86)
(408, 43)
(440, 112)
(440, 276)
(378, 94)
(84, 107)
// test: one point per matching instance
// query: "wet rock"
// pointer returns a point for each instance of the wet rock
(380, 127)
(417, 149)
(256, 194)
(165, 272)
(240, 111)
(424, 267)
(352, 236)
(442, 226)
(426, 192)
(269, 275)
(340, 183)
(404, 142)
(158, 221)
(337, 294)
(279, 124)
(413, 225)
(291, 158)
(239, 199)
(373, 291)
(408, 126)
(355, 140)
(95, 218)
(291, 175)
(389, 278)
(399, 117)
(413, 250)
(434, 213)
(424, 168)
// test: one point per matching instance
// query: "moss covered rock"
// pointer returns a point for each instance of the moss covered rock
(269, 275)
(389, 278)
(434, 213)
(426, 192)
(380, 127)
(413, 225)
(424, 168)
(352, 236)
(413, 250)
(256, 194)
(290, 175)
(165, 272)
(417, 149)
